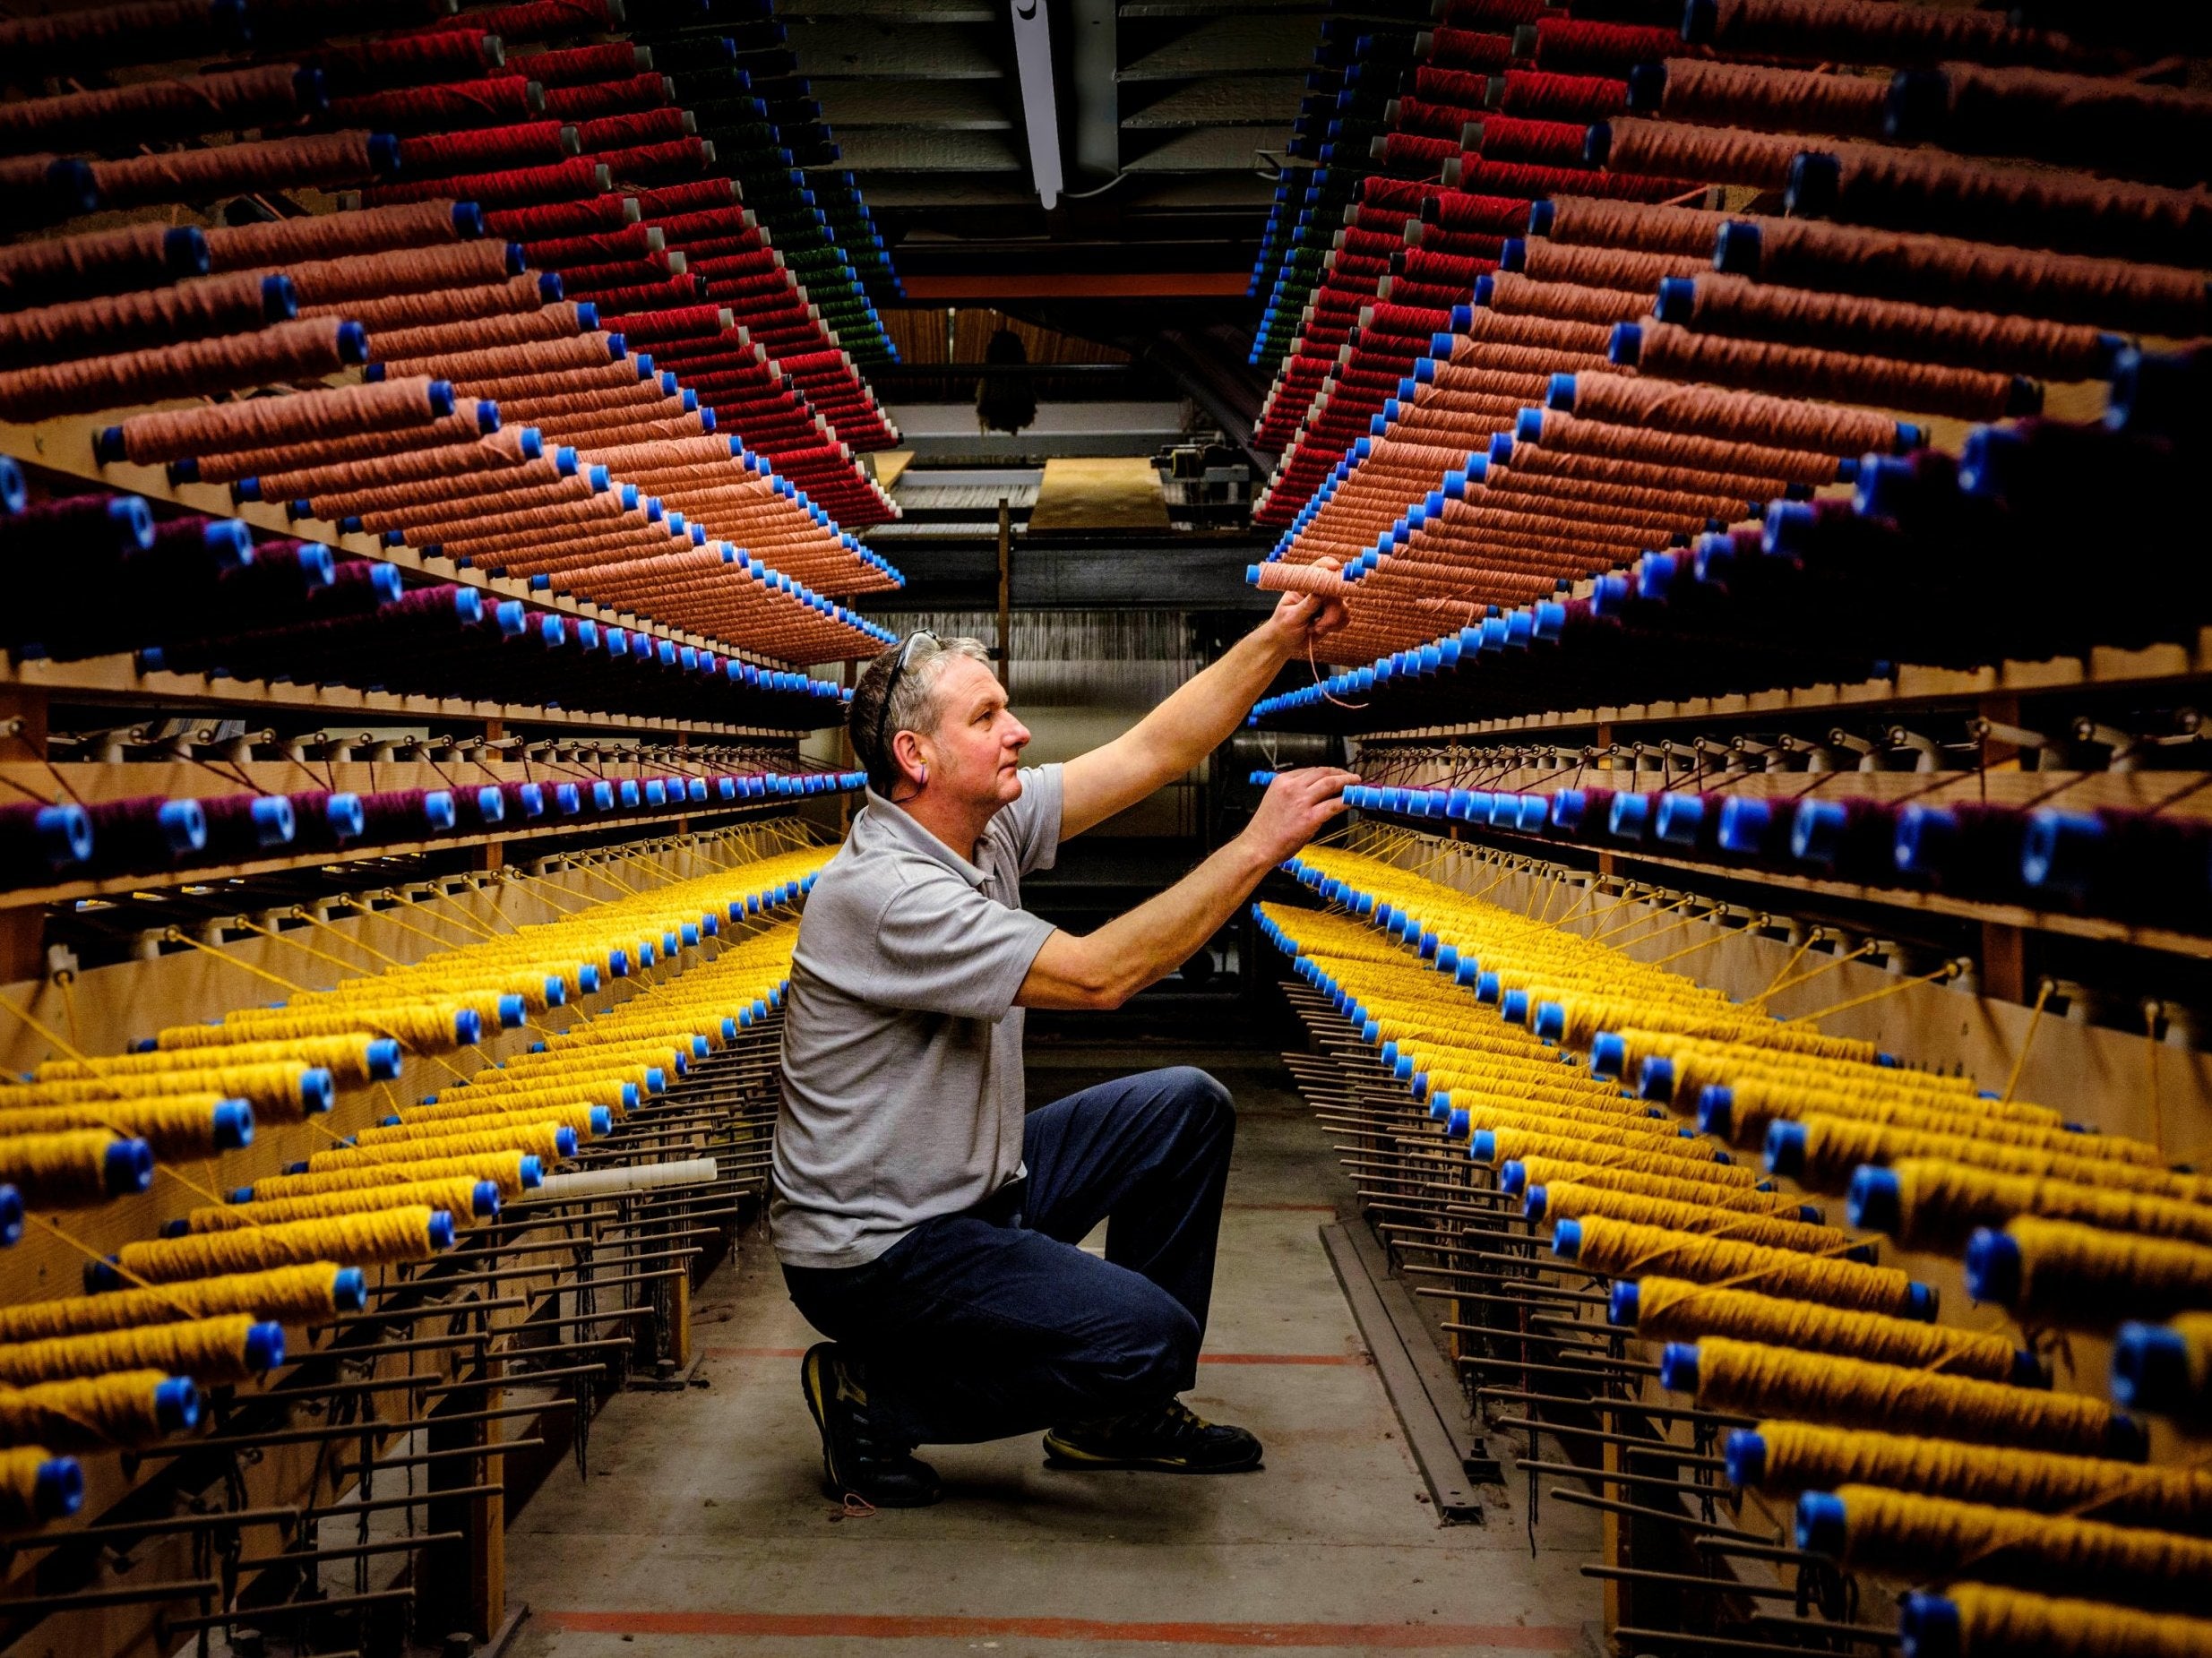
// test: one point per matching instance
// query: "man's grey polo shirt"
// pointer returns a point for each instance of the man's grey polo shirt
(902, 1096)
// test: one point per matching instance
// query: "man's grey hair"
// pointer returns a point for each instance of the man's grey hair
(914, 701)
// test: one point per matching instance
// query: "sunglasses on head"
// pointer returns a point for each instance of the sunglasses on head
(882, 714)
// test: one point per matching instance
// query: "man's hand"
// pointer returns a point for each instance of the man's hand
(1301, 620)
(1295, 809)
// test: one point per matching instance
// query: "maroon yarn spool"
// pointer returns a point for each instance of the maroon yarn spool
(563, 181)
(492, 101)
(406, 60)
(488, 148)
(1534, 183)
(130, 838)
(1686, 231)
(545, 221)
(542, 20)
(1547, 96)
(579, 65)
(1870, 31)
(1474, 51)
(666, 124)
(1570, 46)
(608, 98)
(1547, 143)
(390, 815)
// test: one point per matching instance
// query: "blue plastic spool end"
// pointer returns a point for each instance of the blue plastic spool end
(57, 1491)
(1743, 1456)
(1481, 1145)
(126, 1167)
(1922, 1302)
(1678, 1367)
(233, 1124)
(318, 1090)
(1785, 1149)
(1624, 1304)
(439, 1230)
(1567, 1240)
(264, 1345)
(1608, 1056)
(1875, 1200)
(1716, 1111)
(1929, 1625)
(176, 1405)
(1655, 1080)
(2151, 1369)
(467, 1028)
(11, 1215)
(1822, 1523)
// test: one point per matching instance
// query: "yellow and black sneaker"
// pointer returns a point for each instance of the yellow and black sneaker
(1171, 1439)
(854, 1460)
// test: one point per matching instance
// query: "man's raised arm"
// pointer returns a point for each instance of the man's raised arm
(1194, 721)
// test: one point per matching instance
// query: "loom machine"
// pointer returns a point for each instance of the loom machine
(432, 442)
(1755, 992)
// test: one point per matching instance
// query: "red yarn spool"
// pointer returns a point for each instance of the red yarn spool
(304, 416)
(229, 363)
(493, 100)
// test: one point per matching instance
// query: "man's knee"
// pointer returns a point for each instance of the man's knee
(1198, 1096)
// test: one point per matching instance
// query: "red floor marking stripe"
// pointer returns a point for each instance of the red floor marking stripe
(1282, 1358)
(855, 1625)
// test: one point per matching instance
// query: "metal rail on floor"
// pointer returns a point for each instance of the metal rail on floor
(1439, 1431)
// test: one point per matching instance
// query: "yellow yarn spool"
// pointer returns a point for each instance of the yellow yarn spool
(181, 1127)
(540, 1139)
(1608, 1127)
(458, 1103)
(289, 1295)
(85, 1414)
(1834, 1147)
(1674, 1310)
(1939, 1204)
(368, 1238)
(504, 1168)
(455, 1196)
(1924, 1537)
(207, 1350)
(61, 1171)
(273, 1089)
(2081, 1276)
(345, 1057)
(1854, 1393)
(1802, 1456)
(491, 1117)
(1623, 1249)
(1689, 1188)
(2013, 1623)
(1568, 1200)
(1764, 1105)
(1519, 1145)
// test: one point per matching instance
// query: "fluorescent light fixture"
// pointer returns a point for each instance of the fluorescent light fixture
(1040, 110)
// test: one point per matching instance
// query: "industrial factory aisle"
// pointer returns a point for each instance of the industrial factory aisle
(701, 1527)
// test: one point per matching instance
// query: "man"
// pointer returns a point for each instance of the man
(923, 1222)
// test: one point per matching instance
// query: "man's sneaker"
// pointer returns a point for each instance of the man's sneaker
(1171, 1439)
(854, 1461)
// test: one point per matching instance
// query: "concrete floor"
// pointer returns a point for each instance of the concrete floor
(701, 1527)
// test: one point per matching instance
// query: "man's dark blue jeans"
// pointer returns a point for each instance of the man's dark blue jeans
(991, 1323)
